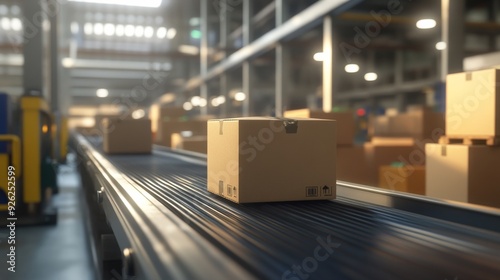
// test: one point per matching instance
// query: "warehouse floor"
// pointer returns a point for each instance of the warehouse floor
(54, 252)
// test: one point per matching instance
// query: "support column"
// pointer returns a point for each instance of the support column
(282, 64)
(204, 52)
(327, 64)
(247, 65)
(33, 48)
(452, 24)
(223, 45)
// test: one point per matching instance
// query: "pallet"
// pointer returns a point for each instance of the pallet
(471, 140)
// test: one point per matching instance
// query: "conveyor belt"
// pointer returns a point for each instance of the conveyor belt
(271, 240)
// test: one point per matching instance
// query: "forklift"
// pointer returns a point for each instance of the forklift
(27, 160)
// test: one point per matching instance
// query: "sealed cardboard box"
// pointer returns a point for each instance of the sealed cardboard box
(189, 143)
(164, 136)
(463, 173)
(127, 136)
(269, 159)
(473, 104)
(418, 124)
(345, 122)
(409, 178)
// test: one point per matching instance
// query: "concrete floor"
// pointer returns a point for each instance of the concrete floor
(53, 252)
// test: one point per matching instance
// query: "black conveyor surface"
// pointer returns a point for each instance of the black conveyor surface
(269, 239)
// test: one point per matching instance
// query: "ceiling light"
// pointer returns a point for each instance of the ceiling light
(16, 24)
(215, 102)
(370, 77)
(196, 100)
(68, 62)
(221, 99)
(109, 29)
(129, 30)
(186, 133)
(138, 114)
(187, 106)
(426, 23)
(171, 33)
(139, 31)
(102, 92)
(74, 27)
(161, 32)
(3, 10)
(240, 96)
(88, 29)
(440, 46)
(351, 68)
(203, 102)
(5, 23)
(120, 30)
(137, 3)
(194, 21)
(98, 28)
(149, 32)
(319, 56)
(15, 10)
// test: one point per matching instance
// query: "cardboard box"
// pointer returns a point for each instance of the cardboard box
(164, 136)
(418, 124)
(352, 165)
(473, 104)
(387, 152)
(267, 159)
(410, 179)
(463, 173)
(171, 113)
(193, 143)
(345, 122)
(127, 136)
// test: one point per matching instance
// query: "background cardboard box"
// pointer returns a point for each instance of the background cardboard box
(473, 104)
(418, 124)
(463, 173)
(352, 165)
(127, 136)
(258, 160)
(194, 143)
(345, 122)
(410, 179)
(164, 136)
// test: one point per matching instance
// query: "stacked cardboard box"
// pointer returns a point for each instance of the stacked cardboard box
(464, 166)
(405, 178)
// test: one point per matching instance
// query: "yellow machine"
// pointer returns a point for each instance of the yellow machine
(32, 155)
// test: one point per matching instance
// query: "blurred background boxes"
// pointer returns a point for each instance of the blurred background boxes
(345, 122)
(410, 179)
(418, 123)
(127, 136)
(164, 135)
(464, 173)
(189, 143)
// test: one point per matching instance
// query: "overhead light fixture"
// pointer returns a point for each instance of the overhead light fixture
(109, 29)
(215, 102)
(5, 23)
(187, 106)
(196, 100)
(195, 34)
(371, 76)
(74, 27)
(171, 33)
(440, 46)
(139, 31)
(351, 68)
(98, 28)
(136, 3)
(240, 96)
(426, 23)
(68, 62)
(319, 56)
(120, 30)
(161, 32)
(195, 21)
(148, 32)
(88, 29)
(129, 30)
(102, 93)
(138, 114)
(16, 24)
(203, 102)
